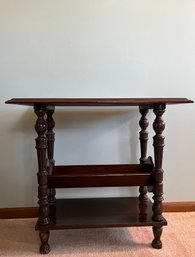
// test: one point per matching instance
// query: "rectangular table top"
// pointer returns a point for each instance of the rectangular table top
(97, 101)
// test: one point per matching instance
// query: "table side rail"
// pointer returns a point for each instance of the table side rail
(101, 175)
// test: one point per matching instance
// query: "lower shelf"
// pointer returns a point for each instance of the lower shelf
(101, 212)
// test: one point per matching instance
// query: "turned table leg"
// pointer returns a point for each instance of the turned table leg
(44, 237)
(41, 146)
(156, 243)
(158, 143)
(143, 146)
(50, 153)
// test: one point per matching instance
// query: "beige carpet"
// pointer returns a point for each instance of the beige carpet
(18, 238)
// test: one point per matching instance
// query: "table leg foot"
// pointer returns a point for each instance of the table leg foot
(156, 243)
(44, 236)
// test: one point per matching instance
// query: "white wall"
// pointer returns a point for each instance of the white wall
(95, 48)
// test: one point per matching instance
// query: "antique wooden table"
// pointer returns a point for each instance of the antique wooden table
(99, 212)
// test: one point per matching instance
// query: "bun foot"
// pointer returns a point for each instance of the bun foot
(44, 249)
(157, 244)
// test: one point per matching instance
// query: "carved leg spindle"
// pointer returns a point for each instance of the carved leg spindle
(44, 236)
(156, 243)
(41, 146)
(50, 137)
(143, 206)
(158, 144)
(143, 146)
(50, 152)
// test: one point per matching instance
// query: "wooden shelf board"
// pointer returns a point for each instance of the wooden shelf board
(101, 212)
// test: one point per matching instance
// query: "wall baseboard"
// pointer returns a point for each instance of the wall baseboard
(178, 206)
(32, 212)
(18, 213)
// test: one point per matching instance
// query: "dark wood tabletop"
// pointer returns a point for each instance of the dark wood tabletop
(97, 101)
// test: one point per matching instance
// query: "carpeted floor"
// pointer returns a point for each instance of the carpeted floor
(18, 238)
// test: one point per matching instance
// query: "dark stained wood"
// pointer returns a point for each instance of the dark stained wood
(101, 175)
(143, 134)
(102, 212)
(50, 138)
(158, 143)
(143, 147)
(41, 146)
(99, 169)
(44, 237)
(50, 154)
(156, 243)
(149, 161)
(98, 101)
(73, 181)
